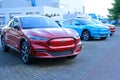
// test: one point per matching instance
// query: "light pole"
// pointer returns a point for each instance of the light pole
(83, 9)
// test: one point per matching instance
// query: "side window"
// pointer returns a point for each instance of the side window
(68, 22)
(13, 23)
(75, 22)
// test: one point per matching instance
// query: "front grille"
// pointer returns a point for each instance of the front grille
(61, 53)
(103, 35)
(59, 42)
(104, 30)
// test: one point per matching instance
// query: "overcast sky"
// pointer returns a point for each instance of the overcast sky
(91, 6)
(98, 6)
(72, 5)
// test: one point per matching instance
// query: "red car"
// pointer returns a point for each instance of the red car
(112, 28)
(39, 37)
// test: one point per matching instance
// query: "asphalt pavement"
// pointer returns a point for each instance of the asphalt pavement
(98, 60)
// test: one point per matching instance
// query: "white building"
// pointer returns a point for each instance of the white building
(10, 8)
(29, 3)
(73, 5)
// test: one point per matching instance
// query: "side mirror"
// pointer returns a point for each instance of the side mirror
(77, 24)
(58, 23)
(17, 27)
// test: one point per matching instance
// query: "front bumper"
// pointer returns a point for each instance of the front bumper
(57, 54)
(100, 34)
(55, 48)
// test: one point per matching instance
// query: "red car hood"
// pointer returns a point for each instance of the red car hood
(51, 32)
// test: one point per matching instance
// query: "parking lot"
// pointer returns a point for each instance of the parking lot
(98, 60)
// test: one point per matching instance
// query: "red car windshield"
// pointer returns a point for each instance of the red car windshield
(37, 22)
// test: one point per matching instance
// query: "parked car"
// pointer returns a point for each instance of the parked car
(86, 28)
(111, 27)
(39, 37)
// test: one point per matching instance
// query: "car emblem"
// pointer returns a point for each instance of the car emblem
(62, 41)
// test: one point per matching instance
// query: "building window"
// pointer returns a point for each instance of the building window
(28, 2)
(29, 13)
(55, 4)
(0, 4)
(2, 21)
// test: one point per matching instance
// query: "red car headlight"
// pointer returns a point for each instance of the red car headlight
(77, 36)
(38, 38)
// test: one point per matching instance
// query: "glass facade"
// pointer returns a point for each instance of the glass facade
(28, 2)
(0, 4)
(2, 21)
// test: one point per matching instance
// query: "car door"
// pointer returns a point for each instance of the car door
(14, 33)
(67, 24)
(77, 26)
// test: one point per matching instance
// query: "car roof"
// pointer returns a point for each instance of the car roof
(75, 19)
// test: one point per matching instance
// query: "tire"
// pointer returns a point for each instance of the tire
(103, 38)
(86, 35)
(5, 48)
(25, 52)
(111, 34)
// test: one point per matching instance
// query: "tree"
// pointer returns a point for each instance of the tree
(114, 12)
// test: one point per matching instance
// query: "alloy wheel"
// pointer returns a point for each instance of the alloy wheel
(3, 43)
(25, 53)
(86, 35)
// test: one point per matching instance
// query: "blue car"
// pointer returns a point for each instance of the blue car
(87, 29)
